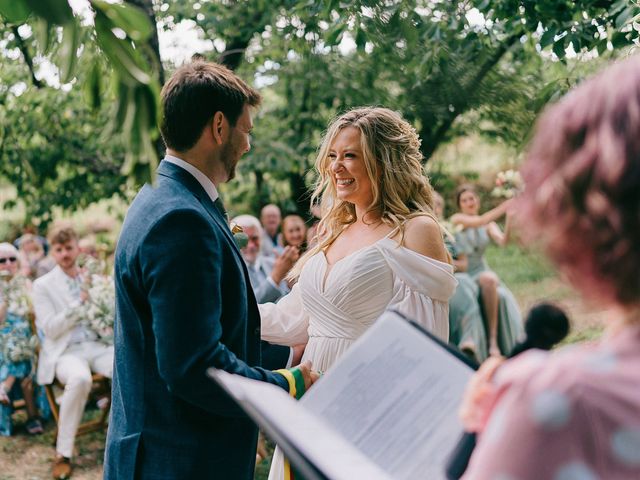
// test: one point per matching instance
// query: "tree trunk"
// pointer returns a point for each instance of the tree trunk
(431, 139)
(299, 193)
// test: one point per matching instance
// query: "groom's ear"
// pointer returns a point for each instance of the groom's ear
(218, 126)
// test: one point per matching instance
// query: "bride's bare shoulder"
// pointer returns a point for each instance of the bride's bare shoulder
(423, 235)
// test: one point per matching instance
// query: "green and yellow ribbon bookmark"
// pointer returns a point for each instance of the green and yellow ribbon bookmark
(296, 390)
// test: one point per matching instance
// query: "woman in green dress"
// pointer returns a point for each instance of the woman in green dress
(466, 327)
(501, 312)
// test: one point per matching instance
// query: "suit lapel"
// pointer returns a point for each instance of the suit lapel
(170, 170)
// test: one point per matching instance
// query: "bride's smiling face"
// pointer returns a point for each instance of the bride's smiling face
(348, 169)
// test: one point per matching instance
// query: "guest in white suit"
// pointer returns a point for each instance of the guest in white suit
(70, 351)
(266, 272)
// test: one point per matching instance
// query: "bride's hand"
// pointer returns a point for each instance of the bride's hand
(308, 374)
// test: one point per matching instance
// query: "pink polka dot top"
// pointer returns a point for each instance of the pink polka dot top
(573, 414)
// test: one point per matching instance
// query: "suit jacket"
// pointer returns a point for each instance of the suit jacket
(268, 247)
(262, 288)
(53, 303)
(183, 304)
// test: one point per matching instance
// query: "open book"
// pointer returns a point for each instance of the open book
(386, 410)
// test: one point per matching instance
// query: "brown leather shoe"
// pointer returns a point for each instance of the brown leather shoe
(61, 469)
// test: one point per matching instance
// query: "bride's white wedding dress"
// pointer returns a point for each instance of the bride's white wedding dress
(332, 305)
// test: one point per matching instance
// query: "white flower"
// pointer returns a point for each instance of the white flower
(508, 184)
(98, 312)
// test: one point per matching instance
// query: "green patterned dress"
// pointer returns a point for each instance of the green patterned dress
(474, 242)
(466, 326)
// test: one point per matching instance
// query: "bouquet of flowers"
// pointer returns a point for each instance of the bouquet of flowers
(91, 265)
(508, 184)
(99, 311)
(18, 345)
(16, 295)
(16, 341)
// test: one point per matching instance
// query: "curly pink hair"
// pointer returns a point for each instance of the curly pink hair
(582, 176)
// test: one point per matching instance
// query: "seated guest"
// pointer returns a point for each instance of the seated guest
(17, 343)
(270, 218)
(575, 413)
(466, 326)
(70, 350)
(34, 262)
(501, 311)
(266, 273)
(294, 232)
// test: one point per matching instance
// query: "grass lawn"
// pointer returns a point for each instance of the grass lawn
(527, 274)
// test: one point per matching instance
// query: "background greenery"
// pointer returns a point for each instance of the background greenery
(79, 96)
(86, 130)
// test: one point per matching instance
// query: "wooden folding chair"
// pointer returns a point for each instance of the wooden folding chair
(101, 386)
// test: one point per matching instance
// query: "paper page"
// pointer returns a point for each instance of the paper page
(334, 456)
(395, 395)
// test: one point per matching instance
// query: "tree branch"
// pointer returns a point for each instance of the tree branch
(27, 56)
(437, 137)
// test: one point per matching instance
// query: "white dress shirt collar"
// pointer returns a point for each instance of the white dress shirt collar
(202, 179)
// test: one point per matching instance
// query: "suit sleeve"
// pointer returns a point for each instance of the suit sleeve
(182, 262)
(53, 324)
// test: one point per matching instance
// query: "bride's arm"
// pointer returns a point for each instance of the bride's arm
(285, 322)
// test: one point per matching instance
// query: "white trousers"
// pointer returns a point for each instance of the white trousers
(73, 370)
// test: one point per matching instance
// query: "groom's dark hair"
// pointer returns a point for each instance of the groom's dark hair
(192, 96)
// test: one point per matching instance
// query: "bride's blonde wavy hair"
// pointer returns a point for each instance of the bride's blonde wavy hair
(393, 161)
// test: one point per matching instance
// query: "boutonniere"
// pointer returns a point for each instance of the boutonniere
(239, 236)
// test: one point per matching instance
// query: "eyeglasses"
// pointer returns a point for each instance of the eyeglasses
(8, 259)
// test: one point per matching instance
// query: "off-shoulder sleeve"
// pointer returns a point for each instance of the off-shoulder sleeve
(422, 288)
(285, 322)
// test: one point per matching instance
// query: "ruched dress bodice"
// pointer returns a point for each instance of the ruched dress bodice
(332, 305)
(343, 300)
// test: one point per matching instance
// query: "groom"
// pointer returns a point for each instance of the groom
(184, 301)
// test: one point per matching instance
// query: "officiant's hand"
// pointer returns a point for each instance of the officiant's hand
(480, 396)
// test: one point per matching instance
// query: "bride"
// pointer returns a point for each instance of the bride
(379, 245)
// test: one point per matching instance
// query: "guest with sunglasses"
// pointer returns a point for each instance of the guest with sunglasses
(17, 343)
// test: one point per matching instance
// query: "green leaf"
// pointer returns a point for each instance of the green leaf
(120, 52)
(129, 18)
(42, 32)
(14, 11)
(335, 36)
(93, 86)
(602, 46)
(57, 12)
(361, 39)
(68, 54)
(547, 37)
(619, 39)
(559, 48)
(624, 17)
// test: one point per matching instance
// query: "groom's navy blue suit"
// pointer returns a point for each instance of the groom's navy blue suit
(184, 304)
